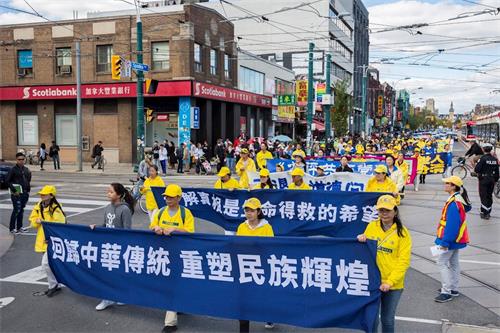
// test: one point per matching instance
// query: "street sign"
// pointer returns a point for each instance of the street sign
(195, 117)
(139, 67)
(287, 100)
(327, 100)
(127, 69)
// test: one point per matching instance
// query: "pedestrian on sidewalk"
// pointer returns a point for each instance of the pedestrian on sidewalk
(54, 155)
(393, 257)
(42, 154)
(163, 153)
(172, 218)
(179, 154)
(487, 173)
(420, 167)
(152, 180)
(452, 235)
(118, 214)
(18, 180)
(46, 210)
(156, 154)
(97, 155)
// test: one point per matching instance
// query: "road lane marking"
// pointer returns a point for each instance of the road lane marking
(481, 262)
(31, 276)
(420, 320)
(65, 208)
(4, 301)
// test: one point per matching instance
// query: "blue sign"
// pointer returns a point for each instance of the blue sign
(139, 67)
(291, 213)
(365, 168)
(308, 282)
(184, 128)
(25, 58)
(195, 117)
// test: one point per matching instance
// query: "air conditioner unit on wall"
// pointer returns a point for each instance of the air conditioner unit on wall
(66, 69)
(21, 72)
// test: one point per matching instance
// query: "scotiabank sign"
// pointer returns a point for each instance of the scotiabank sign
(211, 91)
(112, 90)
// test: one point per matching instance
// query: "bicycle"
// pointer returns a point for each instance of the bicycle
(462, 168)
(137, 195)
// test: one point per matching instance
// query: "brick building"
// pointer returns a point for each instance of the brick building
(189, 49)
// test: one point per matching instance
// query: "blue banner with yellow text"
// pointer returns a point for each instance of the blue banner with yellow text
(317, 283)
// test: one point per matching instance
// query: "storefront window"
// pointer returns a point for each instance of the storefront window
(27, 130)
(66, 130)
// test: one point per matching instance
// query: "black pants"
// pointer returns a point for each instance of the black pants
(422, 179)
(486, 186)
(244, 326)
(41, 162)
(18, 204)
(180, 165)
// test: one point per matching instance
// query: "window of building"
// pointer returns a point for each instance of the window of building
(63, 60)
(27, 130)
(340, 23)
(251, 81)
(66, 129)
(25, 62)
(284, 87)
(198, 64)
(340, 49)
(161, 55)
(213, 62)
(227, 66)
(104, 53)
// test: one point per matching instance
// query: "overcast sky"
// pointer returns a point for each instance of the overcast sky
(453, 59)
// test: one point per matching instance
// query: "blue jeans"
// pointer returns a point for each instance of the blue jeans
(18, 204)
(388, 305)
(230, 161)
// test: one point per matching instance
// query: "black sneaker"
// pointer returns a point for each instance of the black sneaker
(13, 231)
(486, 216)
(443, 298)
(52, 291)
(453, 293)
(168, 329)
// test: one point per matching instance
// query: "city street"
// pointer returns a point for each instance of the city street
(84, 195)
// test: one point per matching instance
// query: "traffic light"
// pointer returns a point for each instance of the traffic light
(149, 115)
(116, 67)
(151, 86)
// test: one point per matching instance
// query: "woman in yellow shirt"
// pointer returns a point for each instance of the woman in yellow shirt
(48, 210)
(225, 182)
(381, 182)
(244, 165)
(265, 181)
(393, 257)
(152, 180)
(263, 155)
(254, 225)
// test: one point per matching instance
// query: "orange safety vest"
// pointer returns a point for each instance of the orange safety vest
(463, 233)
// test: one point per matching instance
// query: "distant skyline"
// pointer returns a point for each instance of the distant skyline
(451, 60)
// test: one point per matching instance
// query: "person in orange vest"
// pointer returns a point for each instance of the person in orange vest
(452, 235)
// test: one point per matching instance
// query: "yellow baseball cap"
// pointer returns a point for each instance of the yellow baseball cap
(252, 203)
(173, 190)
(224, 171)
(380, 169)
(264, 173)
(416, 150)
(244, 151)
(386, 201)
(48, 189)
(297, 172)
(455, 180)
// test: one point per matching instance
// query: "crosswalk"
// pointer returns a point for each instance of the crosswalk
(71, 206)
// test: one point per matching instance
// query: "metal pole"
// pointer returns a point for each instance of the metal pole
(140, 98)
(327, 108)
(310, 97)
(78, 108)
(394, 108)
(363, 101)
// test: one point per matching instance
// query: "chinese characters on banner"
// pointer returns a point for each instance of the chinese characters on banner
(286, 113)
(190, 272)
(380, 106)
(301, 92)
(291, 213)
(435, 163)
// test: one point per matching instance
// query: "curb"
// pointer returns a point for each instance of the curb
(6, 240)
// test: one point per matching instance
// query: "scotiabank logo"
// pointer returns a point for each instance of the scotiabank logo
(29, 92)
(201, 90)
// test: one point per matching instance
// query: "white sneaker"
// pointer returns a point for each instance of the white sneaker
(269, 326)
(103, 305)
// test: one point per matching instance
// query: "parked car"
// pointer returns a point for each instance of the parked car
(4, 170)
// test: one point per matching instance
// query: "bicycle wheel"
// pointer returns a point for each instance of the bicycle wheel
(142, 204)
(496, 191)
(459, 171)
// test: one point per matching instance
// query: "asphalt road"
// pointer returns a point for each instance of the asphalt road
(70, 312)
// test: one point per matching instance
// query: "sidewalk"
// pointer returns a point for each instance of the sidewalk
(6, 240)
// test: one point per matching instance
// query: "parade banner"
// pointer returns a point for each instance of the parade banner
(291, 213)
(435, 163)
(365, 168)
(307, 282)
(339, 181)
(410, 161)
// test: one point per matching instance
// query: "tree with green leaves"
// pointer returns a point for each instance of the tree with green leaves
(341, 108)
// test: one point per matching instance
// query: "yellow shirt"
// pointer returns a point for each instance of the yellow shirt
(387, 186)
(393, 253)
(404, 168)
(231, 184)
(150, 198)
(258, 187)
(248, 165)
(58, 216)
(262, 157)
(263, 229)
(175, 221)
(304, 186)
(420, 163)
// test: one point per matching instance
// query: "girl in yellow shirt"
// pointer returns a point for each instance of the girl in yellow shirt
(152, 180)
(244, 165)
(255, 225)
(48, 210)
(393, 257)
(265, 181)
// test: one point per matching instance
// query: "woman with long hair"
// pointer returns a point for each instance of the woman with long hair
(153, 180)
(265, 180)
(452, 235)
(393, 257)
(48, 209)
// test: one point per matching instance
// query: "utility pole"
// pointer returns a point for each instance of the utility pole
(310, 97)
(78, 107)
(140, 97)
(394, 108)
(328, 108)
(363, 101)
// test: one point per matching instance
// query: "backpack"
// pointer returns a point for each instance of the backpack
(183, 213)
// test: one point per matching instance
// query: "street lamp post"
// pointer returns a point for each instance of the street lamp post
(140, 97)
